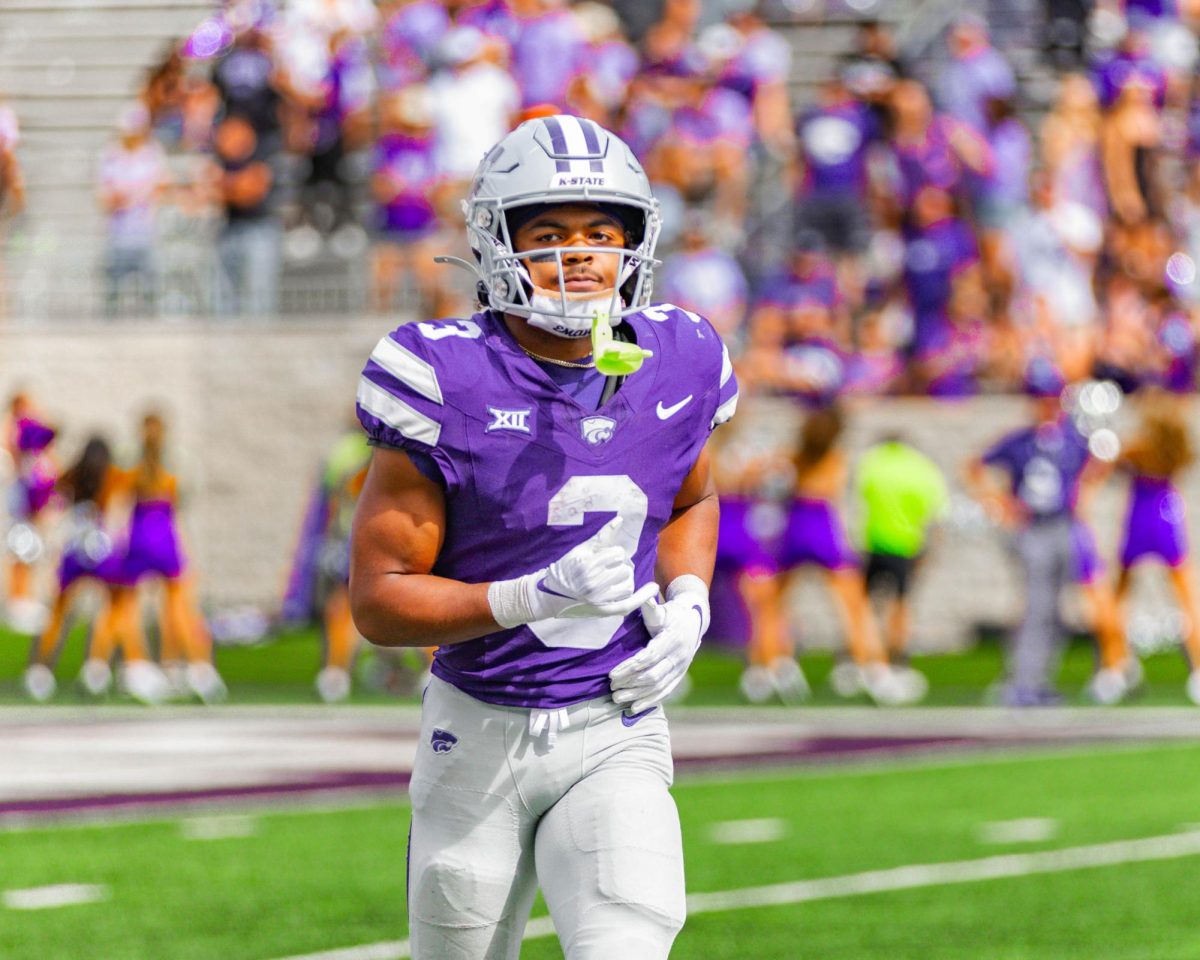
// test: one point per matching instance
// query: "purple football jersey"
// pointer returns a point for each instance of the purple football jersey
(929, 162)
(530, 473)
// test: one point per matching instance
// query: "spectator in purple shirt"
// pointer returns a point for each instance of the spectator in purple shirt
(1129, 62)
(799, 330)
(1001, 196)
(705, 279)
(703, 152)
(759, 71)
(405, 179)
(408, 40)
(493, 18)
(548, 52)
(940, 248)
(600, 88)
(954, 356)
(976, 74)
(809, 277)
(833, 141)
(877, 367)
(1175, 335)
(931, 149)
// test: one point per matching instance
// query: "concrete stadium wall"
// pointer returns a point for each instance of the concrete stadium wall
(253, 410)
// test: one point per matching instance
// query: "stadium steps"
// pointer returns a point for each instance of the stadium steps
(68, 68)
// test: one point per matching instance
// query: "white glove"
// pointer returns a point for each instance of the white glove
(595, 579)
(648, 677)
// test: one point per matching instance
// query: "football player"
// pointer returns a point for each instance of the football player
(540, 470)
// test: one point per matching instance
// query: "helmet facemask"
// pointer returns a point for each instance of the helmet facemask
(506, 283)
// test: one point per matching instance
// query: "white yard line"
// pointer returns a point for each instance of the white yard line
(765, 830)
(59, 895)
(1026, 830)
(231, 826)
(1171, 846)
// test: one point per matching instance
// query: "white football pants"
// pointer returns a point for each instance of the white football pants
(497, 811)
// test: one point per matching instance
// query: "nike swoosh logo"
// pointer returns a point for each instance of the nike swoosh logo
(629, 721)
(666, 413)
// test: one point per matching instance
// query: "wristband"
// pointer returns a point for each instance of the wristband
(696, 591)
(510, 601)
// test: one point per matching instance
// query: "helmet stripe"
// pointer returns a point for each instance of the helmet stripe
(558, 143)
(593, 144)
(582, 144)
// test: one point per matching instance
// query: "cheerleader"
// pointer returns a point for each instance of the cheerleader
(29, 443)
(1155, 523)
(153, 550)
(89, 487)
(754, 486)
(816, 536)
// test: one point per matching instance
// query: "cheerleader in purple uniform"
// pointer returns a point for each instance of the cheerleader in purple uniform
(1155, 525)
(747, 575)
(1119, 672)
(90, 486)
(154, 550)
(29, 444)
(816, 536)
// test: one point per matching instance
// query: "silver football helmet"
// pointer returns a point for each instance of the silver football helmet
(552, 160)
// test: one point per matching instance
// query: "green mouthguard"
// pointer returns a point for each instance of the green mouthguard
(614, 358)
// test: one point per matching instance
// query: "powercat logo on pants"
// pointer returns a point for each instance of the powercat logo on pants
(442, 741)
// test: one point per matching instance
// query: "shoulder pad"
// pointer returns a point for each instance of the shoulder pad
(411, 375)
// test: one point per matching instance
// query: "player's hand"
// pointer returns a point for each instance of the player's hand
(650, 676)
(595, 579)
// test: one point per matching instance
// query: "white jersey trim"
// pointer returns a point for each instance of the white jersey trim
(726, 365)
(408, 368)
(725, 411)
(397, 414)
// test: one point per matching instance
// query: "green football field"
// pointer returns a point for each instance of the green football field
(1076, 853)
(282, 671)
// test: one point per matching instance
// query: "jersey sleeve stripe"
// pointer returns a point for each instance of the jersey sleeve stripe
(725, 411)
(397, 414)
(408, 368)
(726, 365)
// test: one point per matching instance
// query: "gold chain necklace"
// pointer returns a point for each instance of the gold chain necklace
(558, 363)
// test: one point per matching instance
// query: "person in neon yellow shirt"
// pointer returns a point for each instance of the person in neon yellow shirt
(901, 494)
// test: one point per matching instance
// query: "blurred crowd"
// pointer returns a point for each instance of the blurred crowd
(916, 228)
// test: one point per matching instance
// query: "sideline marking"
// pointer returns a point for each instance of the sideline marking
(1171, 846)
(218, 827)
(1027, 830)
(765, 830)
(58, 895)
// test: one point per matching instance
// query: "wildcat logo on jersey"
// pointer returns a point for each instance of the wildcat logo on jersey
(597, 430)
(442, 741)
(508, 420)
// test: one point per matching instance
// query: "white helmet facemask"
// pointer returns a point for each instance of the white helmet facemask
(567, 313)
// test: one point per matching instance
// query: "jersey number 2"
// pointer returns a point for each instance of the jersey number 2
(576, 498)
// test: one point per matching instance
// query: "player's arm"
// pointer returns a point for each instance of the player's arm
(397, 534)
(687, 544)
